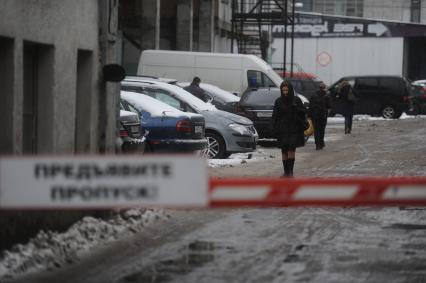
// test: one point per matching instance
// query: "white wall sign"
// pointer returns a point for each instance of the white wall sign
(103, 182)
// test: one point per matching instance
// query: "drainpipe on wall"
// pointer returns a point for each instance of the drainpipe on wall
(109, 93)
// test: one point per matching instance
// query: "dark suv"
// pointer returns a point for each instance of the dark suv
(386, 96)
(305, 86)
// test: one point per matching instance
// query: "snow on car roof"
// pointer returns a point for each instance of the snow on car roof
(149, 104)
(182, 94)
(419, 82)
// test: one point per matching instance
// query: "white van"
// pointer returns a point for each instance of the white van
(232, 72)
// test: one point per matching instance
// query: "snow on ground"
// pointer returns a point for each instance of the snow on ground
(338, 118)
(261, 154)
(242, 158)
(51, 249)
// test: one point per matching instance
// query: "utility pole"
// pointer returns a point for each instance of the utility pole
(109, 95)
(285, 36)
(293, 8)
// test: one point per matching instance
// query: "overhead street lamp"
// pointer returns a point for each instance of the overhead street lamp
(293, 5)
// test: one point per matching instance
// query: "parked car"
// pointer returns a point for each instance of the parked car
(170, 130)
(421, 83)
(305, 86)
(386, 96)
(132, 139)
(220, 98)
(153, 78)
(226, 133)
(299, 75)
(258, 104)
(418, 100)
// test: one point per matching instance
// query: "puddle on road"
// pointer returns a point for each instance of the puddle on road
(192, 256)
(291, 258)
(407, 226)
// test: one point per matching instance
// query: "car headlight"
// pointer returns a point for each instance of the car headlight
(240, 129)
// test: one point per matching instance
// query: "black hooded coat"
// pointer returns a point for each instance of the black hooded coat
(288, 119)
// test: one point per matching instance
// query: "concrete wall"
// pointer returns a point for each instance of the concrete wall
(397, 10)
(66, 26)
(423, 12)
(222, 40)
(59, 40)
(347, 56)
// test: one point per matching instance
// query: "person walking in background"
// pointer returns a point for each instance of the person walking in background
(195, 89)
(288, 119)
(347, 95)
(319, 104)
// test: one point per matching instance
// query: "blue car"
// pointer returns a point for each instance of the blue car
(169, 129)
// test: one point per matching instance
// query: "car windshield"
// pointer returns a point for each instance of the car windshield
(195, 102)
(145, 103)
(217, 92)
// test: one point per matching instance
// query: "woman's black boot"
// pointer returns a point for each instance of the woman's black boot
(285, 166)
(290, 164)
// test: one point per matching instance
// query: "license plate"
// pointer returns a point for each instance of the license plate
(134, 129)
(198, 129)
(264, 114)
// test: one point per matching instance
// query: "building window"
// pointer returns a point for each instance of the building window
(415, 11)
(6, 90)
(83, 109)
(339, 7)
(37, 124)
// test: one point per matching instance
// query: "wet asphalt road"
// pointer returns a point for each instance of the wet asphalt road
(348, 244)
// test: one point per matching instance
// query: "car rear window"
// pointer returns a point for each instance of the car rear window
(367, 84)
(392, 85)
(309, 86)
(297, 85)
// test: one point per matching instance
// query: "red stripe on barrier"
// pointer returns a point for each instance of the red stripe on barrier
(370, 191)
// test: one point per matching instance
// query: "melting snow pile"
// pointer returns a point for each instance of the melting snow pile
(241, 158)
(51, 249)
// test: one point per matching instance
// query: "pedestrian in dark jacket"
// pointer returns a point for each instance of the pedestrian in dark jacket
(319, 104)
(196, 90)
(347, 96)
(288, 119)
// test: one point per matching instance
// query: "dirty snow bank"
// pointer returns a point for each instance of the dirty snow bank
(51, 249)
(241, 158)
(339, 118)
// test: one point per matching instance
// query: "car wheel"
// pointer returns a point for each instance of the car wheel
(389, 112)
(215, 146)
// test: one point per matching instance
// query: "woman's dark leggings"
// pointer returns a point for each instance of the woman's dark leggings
(348, 123)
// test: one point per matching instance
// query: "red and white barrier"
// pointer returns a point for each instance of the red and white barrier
(318, 192)
(76, 182)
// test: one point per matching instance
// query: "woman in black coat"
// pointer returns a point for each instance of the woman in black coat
(289, 124)
(347, 96)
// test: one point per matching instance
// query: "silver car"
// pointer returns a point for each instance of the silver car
(226, 133)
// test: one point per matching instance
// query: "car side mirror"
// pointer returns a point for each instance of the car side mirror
(113, 73)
